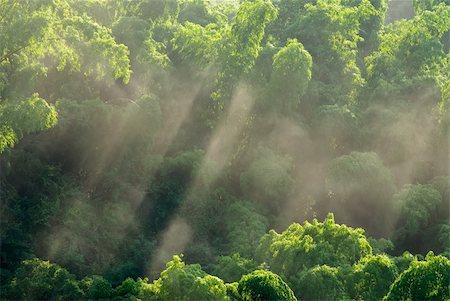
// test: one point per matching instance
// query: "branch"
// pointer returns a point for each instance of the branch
(10, 53)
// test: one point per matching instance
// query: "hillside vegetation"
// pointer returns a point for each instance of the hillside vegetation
(224, 150)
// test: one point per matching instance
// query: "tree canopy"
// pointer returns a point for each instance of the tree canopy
(224, 150)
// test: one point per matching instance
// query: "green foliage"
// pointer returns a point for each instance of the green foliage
(232, 268)
(154, 53)
(127, 288)
(319, 283)
(188, 282)
(40, 280)
(32, 193)
(96, 287)
(268, 178)
(416, 205)
(223, 224)
(24, 117)
(403, 262)
(75, 244)
(421, 5)
(171, 181)
(372, 278)
(151, 10)
(442, 184)
(407, 49)
(289, 11)
(360, 181)
(329, 31)
(336, 126)
(371, 24)
(42, 35)
(241, 48)
(107, 133)
(290, 76)
(381, 246)
(197, 11)
(135, 290)
(197, 44)
(444, 234)
(247, 32)
(132, 124)
(126, 88)
(244, 228)
(55, 29)
(132, 32)
(232, 290)
(264, 285)
(442, 79)
(423, 280)
(303, 247)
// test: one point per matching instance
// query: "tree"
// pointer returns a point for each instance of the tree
(329, 30)
(36, 279)
(441, 76)
(319, 283)
(335, 127)
(33, 192)
(24, 117)
(244, 228)
(423, 280)
(361, 184)
(171, 181)
(371, 24)
(133, 123)
(149, 10)
(188, 282)
(241, 49)
(66, 38)
(416, 206)
(96, 287)
(197, 11)
(264, 285)
(407, 50)
(442, 184)
(131, 289)
(289, 12)
(107, 163)
(372, 277)
(268, 178)
(403, 262)
(231, 268)
(302, 247)
(197, 44)
(381, 245)
(132, 32)
(42, 35)
(291, 73)
(127, 288)
(223, 224)
(421, 5)
(444, 234)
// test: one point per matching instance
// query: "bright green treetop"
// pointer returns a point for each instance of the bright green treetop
(36, 279)
(188, 282)
(291, 73)
(372, 278)
(423, 280)
(263, 285)
(302, 247)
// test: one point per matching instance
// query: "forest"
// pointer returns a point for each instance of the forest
(224, 150)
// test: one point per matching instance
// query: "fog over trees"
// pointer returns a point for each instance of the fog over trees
(224, 150)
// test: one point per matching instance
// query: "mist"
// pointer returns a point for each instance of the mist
(198, 128)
